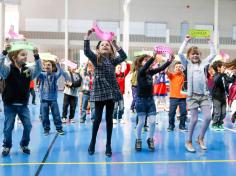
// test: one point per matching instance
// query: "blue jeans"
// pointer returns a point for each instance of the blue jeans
(52, 104)
(174, 103)
(85, 101)
(134, 95)
(118, 105)
(10, 112)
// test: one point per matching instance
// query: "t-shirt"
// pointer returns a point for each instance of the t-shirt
(176, 83)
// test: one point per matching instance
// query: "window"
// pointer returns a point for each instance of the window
(155, 29)
(234, 32)
(184, 29)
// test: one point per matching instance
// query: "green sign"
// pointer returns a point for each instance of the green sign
(19, 45)
(196, 33)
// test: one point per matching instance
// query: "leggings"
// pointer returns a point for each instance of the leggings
(151, 123)
(194, 118)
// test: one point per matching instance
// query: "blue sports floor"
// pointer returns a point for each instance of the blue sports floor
(67, 155)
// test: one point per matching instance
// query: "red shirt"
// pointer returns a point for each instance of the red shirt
(120, 77)
(32, 84)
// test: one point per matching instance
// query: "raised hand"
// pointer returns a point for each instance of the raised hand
(36, 51)
(187, 38)
(90, 31)
(114, 43)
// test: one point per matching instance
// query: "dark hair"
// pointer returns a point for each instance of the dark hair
(139, 60)
(217, 64)
(99, 55)
(13, 55)
(54, 67)
(177, 62)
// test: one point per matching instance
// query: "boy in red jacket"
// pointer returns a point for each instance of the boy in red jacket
(120, 77)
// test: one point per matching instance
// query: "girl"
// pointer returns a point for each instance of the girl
(48, 95)
(105, 88)
(197, 90)
(145, 105)
(16, 94)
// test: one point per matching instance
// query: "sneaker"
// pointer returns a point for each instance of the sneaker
(5, 151)
(72, 121)
(60, 132)
(108, 151)
(91, 150)
(34, 103)
(25, 149)
(201, 143)
(82, 121)
(121, 121)
(114, 121)
(138, 145)
(221, 127)
(183, 129)
(215, 127)
(46, 132)
(169, 129)
(189, 147)
(63, 120)
(150, 143)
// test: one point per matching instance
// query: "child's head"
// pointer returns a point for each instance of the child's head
(141, 61)
(217, 65)
(49, 66)
(178, 67)
(105, 49)
(194, 54)
(18, 57)
(90, 67)
(118, 68)
(211, 70)
(231, 65)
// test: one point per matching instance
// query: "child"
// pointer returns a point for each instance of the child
(145, 105)
(71, 94)
(219, 95)
(48, 95)
(105, 88)
(232, 90)
(133, 86)
(16, 94)
(197, 90)
(86, 89)
(176, 98)
(120, 77)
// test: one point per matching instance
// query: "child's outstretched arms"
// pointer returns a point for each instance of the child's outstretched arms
(212, 55)
(163, 67)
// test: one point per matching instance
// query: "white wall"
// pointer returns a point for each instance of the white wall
(170, 12)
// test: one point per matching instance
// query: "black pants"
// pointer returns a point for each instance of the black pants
(32, 92)
(69, 101)
(99, 105)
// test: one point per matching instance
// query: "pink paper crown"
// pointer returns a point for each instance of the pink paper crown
(161, 49)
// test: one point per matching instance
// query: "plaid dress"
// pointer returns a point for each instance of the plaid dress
(105, 86)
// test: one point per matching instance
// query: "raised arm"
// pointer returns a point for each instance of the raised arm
(212, 55)
(183, 59)
(36, 69)
(161, 68)
(122, 55)
(87, 51)
(4, 68)
(127, 69)
(143, 69)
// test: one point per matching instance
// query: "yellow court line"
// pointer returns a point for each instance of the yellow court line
(119, 163)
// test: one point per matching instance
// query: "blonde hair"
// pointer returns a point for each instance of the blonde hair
(193, 49)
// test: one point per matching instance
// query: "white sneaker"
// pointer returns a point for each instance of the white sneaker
(63, 120)
(72, 121)
(121, 121)
(114, 121)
